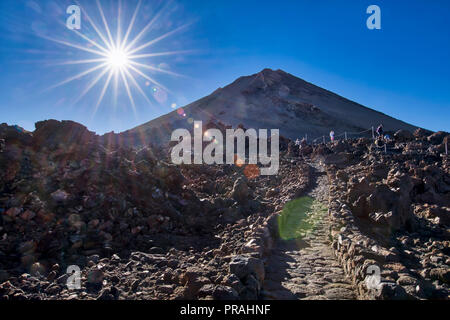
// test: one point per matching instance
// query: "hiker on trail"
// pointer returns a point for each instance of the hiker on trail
(380, 130)
(332, 135)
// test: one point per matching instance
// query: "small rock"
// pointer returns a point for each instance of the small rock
(95, 277)
(240, 190)
(13, 212)
(440, 274)
(37, 269)
(28, 215)
(60, 196)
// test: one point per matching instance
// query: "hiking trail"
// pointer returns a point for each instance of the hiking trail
(305, 267)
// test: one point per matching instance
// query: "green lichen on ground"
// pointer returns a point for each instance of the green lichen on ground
(299, 218)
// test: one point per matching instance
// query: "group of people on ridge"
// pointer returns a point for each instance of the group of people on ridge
(380, 138)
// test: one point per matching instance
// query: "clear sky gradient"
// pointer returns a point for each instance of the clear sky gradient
(402, 70)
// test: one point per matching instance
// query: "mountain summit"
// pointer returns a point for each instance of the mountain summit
(271, 100)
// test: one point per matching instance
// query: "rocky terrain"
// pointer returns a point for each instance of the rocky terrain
(391, 209)
(136, 226)
(139, 227)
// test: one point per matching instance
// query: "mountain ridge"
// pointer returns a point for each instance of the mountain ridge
(269, 99)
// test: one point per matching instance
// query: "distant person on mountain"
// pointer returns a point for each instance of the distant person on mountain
(379, 130)
(332, 135)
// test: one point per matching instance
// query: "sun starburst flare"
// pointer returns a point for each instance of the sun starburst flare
(117, 57)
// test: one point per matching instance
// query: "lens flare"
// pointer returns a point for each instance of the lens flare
(117, 56)
(251, 171)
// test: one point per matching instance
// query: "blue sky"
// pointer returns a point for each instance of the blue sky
(402, 70)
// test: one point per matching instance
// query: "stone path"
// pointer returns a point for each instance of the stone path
(306, 268)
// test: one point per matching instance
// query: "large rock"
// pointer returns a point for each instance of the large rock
(193, 280)
(437, 137)
(441, 274)
(384, 204)
(14, 135)
(442, 213)
(391, 291)
(359, 187)
(218, 292)
(420, 133)
(403, 135)
(243, 266)
(53, 133)
(95, 277)
(337, 158)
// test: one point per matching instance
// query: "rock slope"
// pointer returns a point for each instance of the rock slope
(268, 99)
(136, 226)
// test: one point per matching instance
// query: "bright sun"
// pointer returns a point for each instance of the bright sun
(118, 59)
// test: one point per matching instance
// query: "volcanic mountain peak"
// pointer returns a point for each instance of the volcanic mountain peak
(265, 79)
(270, 99)
(269, 76)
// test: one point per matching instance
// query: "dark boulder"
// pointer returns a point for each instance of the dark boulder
(437, 137)
(403, 136)
(52, 134)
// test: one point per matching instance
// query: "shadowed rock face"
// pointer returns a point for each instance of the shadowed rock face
(154, 230)
(269, 99)
(51, 134)
(151, 229)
